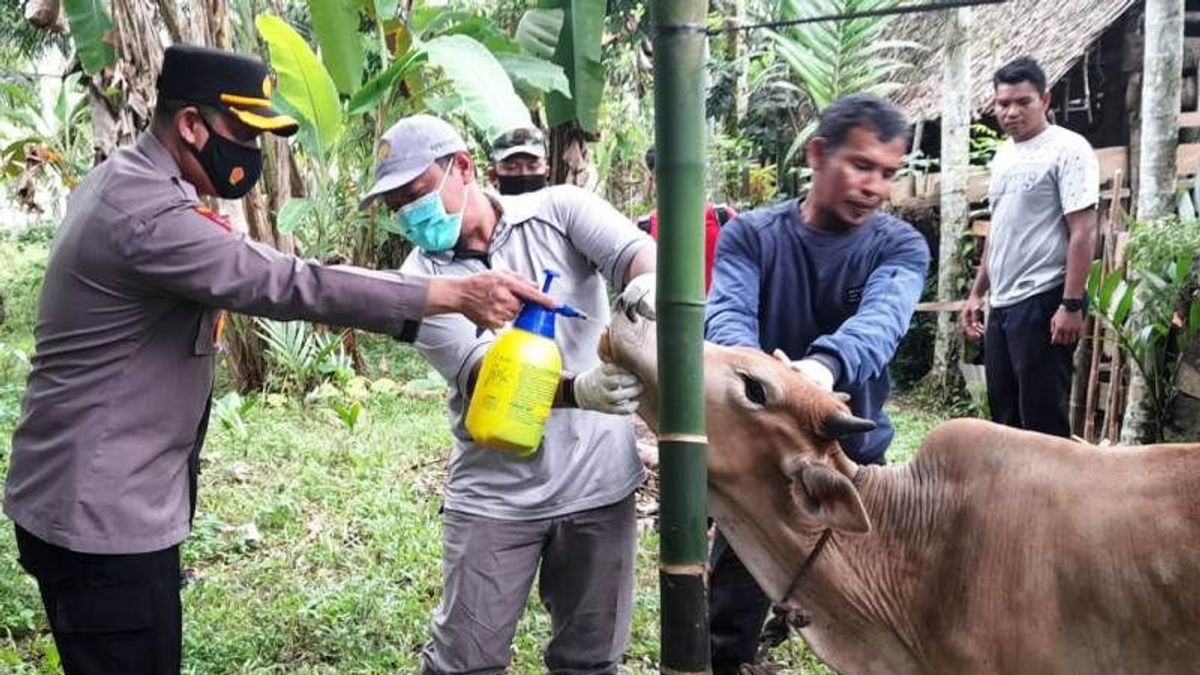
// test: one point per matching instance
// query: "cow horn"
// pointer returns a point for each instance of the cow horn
(840, 424)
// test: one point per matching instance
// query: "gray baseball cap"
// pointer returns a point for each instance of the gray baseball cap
(408, 148)
(520, 141)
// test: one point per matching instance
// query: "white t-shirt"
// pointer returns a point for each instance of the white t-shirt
(587, 459)
(1034, 184)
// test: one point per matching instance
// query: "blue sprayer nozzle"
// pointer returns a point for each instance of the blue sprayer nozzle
(537, 319)
(570, 312)
(564, 309)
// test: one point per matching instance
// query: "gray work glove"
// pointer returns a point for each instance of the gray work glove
(608, 388)
(639, 294)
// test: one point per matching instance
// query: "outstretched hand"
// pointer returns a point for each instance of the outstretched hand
(488, 299)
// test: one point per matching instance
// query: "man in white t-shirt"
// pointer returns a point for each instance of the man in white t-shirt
(1043, 194)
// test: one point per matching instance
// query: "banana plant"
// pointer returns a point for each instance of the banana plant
(437, 60)
(831, 59)
(569, 32)
(1157, 336)
(44, 131)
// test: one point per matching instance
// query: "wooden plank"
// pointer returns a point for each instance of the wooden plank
(1112, 160)
(980, 228)
(1187, 159)
(941, 306)
(1188, 120)
(925, 188)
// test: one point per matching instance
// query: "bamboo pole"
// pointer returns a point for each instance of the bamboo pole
(1108, 245)
(1113, 410)
(679, 43)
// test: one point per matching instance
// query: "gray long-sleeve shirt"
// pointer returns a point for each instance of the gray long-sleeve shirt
(117, 401)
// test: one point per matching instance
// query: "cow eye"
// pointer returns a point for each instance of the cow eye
(754, 389)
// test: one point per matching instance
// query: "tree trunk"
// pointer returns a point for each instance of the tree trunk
(569, 157)
(955, 161)
(1162, 71)
(122, 97)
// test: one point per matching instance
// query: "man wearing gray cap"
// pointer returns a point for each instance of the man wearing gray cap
(568, 511)
(519, 161)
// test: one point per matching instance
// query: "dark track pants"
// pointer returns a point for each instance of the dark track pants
(110, 614)
(737, 610)
(1028, 379)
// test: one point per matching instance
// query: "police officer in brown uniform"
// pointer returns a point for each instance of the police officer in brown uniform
(102, 484)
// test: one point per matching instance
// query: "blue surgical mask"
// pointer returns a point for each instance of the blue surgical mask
(427, 225)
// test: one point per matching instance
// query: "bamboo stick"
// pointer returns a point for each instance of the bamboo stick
(679, 45)
(1107, 245)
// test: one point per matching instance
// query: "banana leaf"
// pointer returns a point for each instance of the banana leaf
(91, 31)
(483, 89)
(336, 26)
(304, 83)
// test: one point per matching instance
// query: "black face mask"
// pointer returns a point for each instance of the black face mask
(518, 185)
(233, 169)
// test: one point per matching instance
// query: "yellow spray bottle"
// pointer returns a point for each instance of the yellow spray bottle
(517, 381)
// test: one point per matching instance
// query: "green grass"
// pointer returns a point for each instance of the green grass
(316, 549)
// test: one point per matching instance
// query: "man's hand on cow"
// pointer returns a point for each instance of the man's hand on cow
(1066, 327)
(971, 318)
(488, 299)
(816, 372)
(608, 388)
(638, 295)
(812, 369)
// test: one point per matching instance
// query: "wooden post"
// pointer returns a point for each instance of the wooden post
(955, 161)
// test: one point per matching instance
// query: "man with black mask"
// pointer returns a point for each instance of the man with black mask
(519, 161)
(102, 483)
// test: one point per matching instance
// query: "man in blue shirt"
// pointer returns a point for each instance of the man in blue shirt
(831, 283)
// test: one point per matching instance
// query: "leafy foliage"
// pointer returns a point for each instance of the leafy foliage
(230, 411)
(578, 51)
(1165, 290)
(305, 86)
(45, 134)
(336, 25)
(300, 356)
(91, 31)
(831, 59)
(481, 88)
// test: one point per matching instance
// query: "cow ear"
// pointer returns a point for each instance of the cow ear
(831, 499)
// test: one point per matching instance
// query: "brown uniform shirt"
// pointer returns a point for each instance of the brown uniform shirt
(117, 401)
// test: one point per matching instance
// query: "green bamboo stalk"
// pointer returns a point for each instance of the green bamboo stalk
(679, 43)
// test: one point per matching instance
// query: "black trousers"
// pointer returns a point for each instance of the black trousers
(110, 614)
(1028, 379)
(737, 610)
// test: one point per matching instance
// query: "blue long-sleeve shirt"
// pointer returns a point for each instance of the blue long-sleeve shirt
(844, 298)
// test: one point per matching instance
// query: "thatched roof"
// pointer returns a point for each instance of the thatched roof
(1055, 32)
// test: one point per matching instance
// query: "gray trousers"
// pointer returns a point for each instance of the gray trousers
(584, 562)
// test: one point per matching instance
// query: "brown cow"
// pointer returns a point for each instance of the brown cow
(994, 551)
